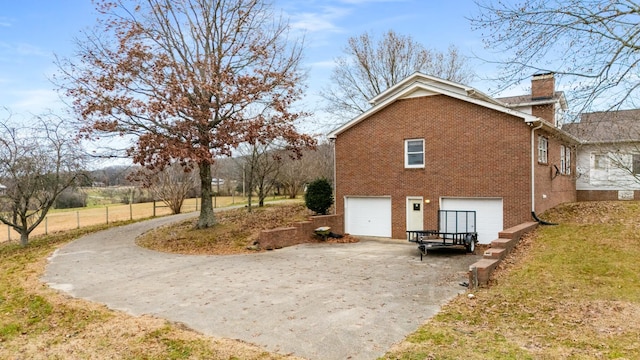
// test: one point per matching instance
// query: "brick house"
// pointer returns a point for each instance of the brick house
(428, 144)
(608, 161)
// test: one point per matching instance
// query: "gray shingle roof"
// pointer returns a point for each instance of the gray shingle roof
(607, 126)
(527, 99)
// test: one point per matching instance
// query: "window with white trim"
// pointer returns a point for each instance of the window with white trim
(600, 161)
(414, 153)
(635, 158)
(543, 149)
(567, 161)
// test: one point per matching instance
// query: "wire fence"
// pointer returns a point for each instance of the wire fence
(61, 220)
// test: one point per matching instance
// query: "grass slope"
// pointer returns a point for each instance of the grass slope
(570, 291)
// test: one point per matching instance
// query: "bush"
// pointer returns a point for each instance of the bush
(319, 196)
(69, 199)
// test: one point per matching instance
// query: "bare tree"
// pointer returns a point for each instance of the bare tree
(37, 163)
(316, 163)
(370, 67)
(261, 164)
(190, 80)
(171, 185)
(596, 43)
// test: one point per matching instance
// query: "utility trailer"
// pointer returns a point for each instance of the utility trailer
(455, 228)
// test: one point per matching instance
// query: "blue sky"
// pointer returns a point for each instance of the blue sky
(32, 31)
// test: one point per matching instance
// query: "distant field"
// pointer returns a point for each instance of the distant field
(67, 219)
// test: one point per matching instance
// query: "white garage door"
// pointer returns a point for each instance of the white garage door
(368, 216)
(488, 215)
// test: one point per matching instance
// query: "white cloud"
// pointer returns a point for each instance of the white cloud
(320, 21)
(5, 22)
(327, 64)
(25, 49)
(34, 101)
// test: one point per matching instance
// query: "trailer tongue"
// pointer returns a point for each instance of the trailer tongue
(455, 228)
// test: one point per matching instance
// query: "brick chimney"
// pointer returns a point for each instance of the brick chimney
(542, 86)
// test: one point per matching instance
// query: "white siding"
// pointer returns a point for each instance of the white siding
(614, 176)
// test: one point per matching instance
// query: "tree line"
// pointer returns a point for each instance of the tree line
(183, 84)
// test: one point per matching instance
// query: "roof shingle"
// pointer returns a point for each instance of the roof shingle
(606, 126)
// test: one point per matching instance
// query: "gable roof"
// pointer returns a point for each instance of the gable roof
(528, 100)
(606, 127)
(417, 85)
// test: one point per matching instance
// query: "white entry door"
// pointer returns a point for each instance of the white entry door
(415, 213)
(368, 216)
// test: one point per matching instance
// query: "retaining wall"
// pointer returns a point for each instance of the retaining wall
(299, 233)
(480, 272)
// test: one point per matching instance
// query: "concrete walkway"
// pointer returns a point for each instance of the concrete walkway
(317, 301)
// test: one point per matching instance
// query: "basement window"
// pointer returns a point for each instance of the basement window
(414, 153)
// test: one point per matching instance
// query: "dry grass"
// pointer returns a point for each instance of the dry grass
(39, 323)
(236, 230)
(568, 292)
(69, 219)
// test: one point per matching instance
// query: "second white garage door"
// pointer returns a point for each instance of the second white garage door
(368, 216)
(488, 215)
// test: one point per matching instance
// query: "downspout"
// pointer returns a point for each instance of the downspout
(533, 177)
(335, 183)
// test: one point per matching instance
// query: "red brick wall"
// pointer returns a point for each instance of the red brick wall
(543, 86)
(300, 232)
(602, 195)
(470, 151)
(558, 188)
(546, 112)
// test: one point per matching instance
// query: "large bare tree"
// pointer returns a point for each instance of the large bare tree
(37, 163)
(596, 43)
(188, 79)
(370, 66)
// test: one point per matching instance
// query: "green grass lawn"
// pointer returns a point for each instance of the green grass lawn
(570, 291)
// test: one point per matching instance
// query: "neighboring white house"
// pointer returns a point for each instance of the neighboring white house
(608, 160)
(2, 189)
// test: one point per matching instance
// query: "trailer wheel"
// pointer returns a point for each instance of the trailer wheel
(470, 243)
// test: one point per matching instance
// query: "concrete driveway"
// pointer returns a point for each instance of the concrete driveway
(317, 301)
